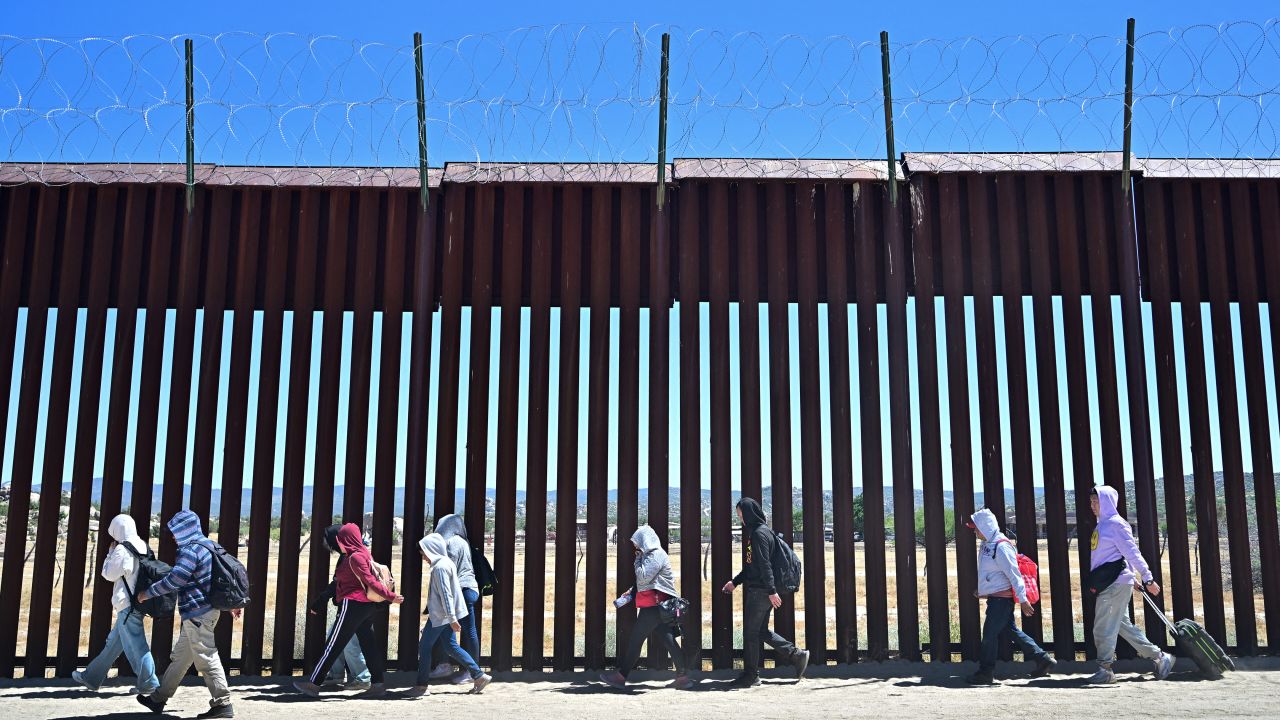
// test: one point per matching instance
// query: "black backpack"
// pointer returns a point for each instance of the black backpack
(786, 566)
(228, 580)
(486, 578)
(150, 572)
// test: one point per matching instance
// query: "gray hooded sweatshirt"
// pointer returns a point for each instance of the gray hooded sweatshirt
(998, 573)
(653, 567)
(454, 532)
(445, 604)
(121, 567)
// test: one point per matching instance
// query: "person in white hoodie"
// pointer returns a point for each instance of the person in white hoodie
(1000, 582)
(445, 607)
(127, 636)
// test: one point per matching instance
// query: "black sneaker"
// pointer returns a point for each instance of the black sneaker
(221, 711)
(1044, 666)
(746, 681)
(982, 677)
(152, 705)
(801, 662)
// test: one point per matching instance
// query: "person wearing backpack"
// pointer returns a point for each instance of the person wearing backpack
(127, 635)
(1115, 563)
(445, 610)
(761, 597)
(192, 580)
(655, 583)
(361, 592)
(351, 661)
(1000, 582)
(454, 531)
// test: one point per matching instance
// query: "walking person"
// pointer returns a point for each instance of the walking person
(454, 531)
(354, 579)
(191, 579)
(1001, 583)
(655, 582)
(445, 610)
(761, 597)
(127, 635)
(1115, 563)
(350, 670)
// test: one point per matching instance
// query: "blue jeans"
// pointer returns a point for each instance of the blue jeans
(126, 636)
(351, 660)
(470, 639)
(444, 633)
(999, 619)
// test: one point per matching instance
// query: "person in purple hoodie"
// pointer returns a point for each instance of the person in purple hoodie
(1113, 544)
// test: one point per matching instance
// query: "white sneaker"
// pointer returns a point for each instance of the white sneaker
(462, 677)
(1104, 676)
(1164, 665)
(443, 670)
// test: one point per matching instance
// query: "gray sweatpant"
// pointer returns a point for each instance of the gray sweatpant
(1111, 619)
(196, 646)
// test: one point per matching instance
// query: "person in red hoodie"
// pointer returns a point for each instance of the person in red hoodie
(353, 579)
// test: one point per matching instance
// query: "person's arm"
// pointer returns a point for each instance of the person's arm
(325, 596)
(440, 584)
(647, 569)
(1007, 560)
(182, 575)
(1128, 547)
(762, 557)
(363, 569)
(116, 565)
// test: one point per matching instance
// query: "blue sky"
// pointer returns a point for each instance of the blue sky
(728, 130)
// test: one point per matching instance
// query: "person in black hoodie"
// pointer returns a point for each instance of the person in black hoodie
(761, 597)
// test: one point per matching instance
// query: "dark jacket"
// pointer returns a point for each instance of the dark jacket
(757, 571)
(330, 592)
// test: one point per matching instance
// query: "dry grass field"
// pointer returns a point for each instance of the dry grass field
(710, 585)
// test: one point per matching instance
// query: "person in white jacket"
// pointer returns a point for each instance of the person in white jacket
(445, 608)
(127, 636)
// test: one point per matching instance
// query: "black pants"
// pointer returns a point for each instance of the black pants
(354, 618)
(755, 630)
(648, 620)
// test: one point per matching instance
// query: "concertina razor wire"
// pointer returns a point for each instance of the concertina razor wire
(581, 102)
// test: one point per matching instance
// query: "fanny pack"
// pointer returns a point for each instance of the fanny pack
(1104, 576)
(672, 612)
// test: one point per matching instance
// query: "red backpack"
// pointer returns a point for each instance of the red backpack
(1030, 575)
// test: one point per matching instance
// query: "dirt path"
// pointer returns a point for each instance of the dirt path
(890, 690)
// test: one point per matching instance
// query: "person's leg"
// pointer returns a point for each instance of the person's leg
(784, 650)
(1135, 637)
(755, 617)
(1030, 649)
(95, 673)
(470, 640)
(339, 666)
(673, 649)
(646, 620)
(204, 653)
(180, 661)
(430, 639)
(460, 656)
(999, 616)
(1111, 604)
(350, 613)
(367, 639)
(353, 658)
(133, 638)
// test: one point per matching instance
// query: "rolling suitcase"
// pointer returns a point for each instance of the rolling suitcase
(1194, 642)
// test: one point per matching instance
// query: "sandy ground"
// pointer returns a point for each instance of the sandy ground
(874, 690)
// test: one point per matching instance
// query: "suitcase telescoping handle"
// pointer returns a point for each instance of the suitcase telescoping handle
(1159, 612)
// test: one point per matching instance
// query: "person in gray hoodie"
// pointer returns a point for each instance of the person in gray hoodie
(1001, 583)
(1113, 543)
(127, 636)
(655, 582)
(454, 531)
(445, 608)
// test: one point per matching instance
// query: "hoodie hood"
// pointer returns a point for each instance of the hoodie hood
(985, 521)
(1108, 500)
(752, 513)
(185, 527)
(123, 530)
(349, 539)
(646, 539)
(331, 538)
(435, 547)
(452, 526)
